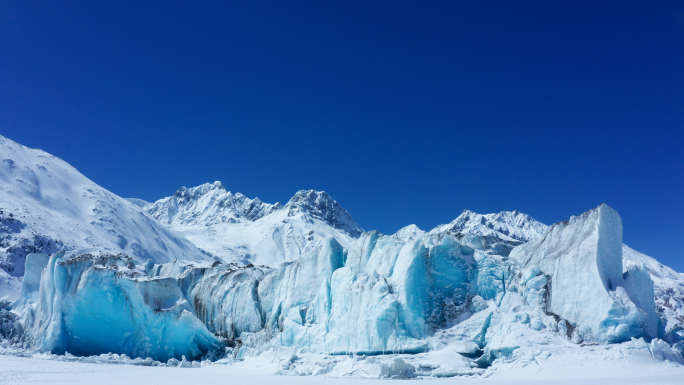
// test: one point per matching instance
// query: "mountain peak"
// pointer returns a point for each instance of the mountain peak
(307, 197)
(251, 231)
(508, 225)
(410, 233)
(320, 205)
(195, 192)
(208, 204)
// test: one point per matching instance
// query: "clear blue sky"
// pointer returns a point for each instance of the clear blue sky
(405, 112)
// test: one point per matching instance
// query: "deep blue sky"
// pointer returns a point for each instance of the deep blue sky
(405, 112)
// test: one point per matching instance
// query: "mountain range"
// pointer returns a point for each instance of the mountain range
(236, 228)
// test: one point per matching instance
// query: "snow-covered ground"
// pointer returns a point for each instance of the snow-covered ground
(597, 366)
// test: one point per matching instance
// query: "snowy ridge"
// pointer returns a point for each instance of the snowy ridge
(46, 206)
(207, 205)
(511, 226)
(139, 202)
(246, 230)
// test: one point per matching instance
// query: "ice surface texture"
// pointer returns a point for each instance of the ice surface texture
(93, 304)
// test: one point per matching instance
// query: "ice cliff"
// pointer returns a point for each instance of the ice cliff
(466, 294)
(88, 304)
(579, 264)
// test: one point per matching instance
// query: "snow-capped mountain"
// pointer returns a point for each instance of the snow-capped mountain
(485, 290)
(206, 205)
(509, 226)
(238, 228)
(410, 233)
(46, 206)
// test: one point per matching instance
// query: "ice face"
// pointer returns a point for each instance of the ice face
(388, 296)
(668, 289)
(92, 304)
(582, 259)
(225, 299)
(296, 285)
(382, 295)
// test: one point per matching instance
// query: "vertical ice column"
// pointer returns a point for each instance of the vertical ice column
(583, 260)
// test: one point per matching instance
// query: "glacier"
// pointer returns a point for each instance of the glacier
(210, 275)
(473, 296)
(582, 262)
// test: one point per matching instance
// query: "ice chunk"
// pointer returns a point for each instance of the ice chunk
(537, 283)
(226, 300)
(398, 368)
(639, 287)
(297, 284)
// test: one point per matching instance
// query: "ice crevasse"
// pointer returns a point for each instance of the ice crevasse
(382, 295)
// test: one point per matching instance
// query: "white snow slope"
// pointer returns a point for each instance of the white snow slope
(240, 229)
(46, 206)
(510, 227)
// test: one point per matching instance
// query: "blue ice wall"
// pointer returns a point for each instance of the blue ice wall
(98, 304)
